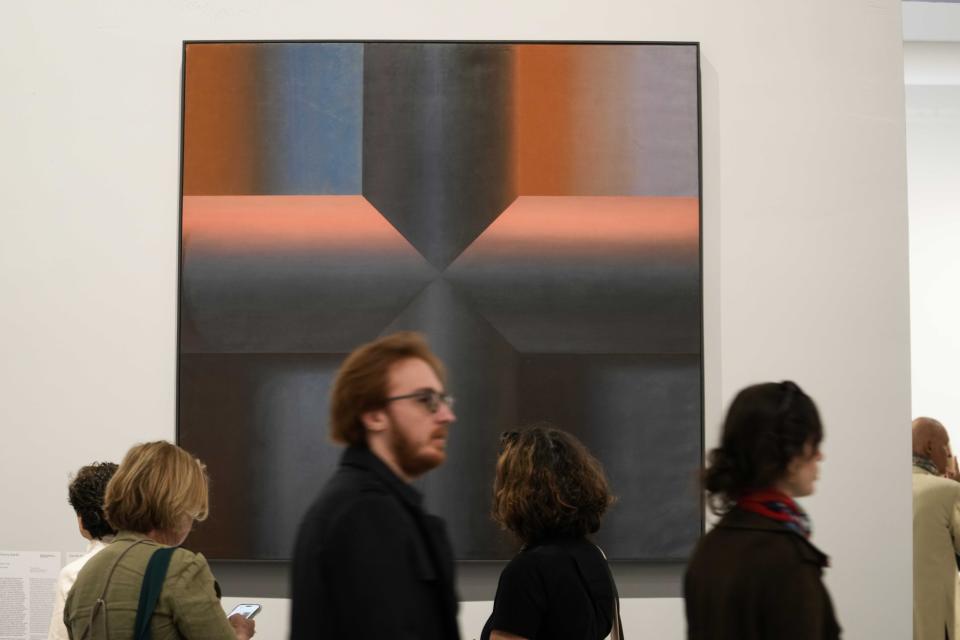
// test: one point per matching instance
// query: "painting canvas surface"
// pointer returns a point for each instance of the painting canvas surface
(533, 208)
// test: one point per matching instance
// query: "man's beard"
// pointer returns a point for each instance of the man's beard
(410, 458)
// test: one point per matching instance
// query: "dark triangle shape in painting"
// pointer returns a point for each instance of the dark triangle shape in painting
(437, 157)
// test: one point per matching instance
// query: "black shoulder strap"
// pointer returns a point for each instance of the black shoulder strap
(150, 590)
(101, 604)
(616, 633)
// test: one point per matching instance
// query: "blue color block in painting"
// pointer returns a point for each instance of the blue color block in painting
(312, 118)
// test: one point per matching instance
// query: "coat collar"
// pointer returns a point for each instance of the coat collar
(136, 537)
(746, 520)
(362, 458)
(133, 536)
(926, 464)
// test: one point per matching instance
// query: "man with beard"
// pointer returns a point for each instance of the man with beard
(369, 562)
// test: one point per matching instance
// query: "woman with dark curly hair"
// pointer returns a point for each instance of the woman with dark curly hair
(551, 493)
(85, 495)
(756, 575)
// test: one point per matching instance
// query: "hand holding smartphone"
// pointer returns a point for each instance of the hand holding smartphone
(246, 610)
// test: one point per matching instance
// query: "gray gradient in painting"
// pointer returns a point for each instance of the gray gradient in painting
(631, 410)
(634, 413)
(644, 302)
(436, 141)
(659, 138)
(483, 374)
(306, 302)
(259, 422)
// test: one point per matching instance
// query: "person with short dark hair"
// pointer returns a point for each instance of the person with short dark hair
(369, 562)
(551, 493)
(85, 495)
(756, 575)
(153, 500)
(936, 533)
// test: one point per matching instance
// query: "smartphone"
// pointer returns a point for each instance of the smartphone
(246, 610)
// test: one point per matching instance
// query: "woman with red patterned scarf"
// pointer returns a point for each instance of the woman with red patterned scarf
(756, 575)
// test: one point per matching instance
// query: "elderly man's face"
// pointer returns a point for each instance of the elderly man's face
(938, 451)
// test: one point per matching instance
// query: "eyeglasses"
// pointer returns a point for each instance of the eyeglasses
(428, 397)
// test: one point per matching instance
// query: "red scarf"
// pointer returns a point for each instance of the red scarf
(778, 506)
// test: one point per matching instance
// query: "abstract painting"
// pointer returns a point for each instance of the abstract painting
(533, 208)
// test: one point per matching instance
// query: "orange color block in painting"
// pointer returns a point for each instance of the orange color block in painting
(219, 123)
(594, 225)
(285, 224)
(543, 143)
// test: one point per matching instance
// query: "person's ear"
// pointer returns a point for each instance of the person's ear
(83, 532)
(794, 464)
(375, 421)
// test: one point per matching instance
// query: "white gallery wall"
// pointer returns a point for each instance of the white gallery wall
(932, 74)
(805, 237)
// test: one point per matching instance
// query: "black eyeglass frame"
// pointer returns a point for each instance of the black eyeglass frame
(430, 398)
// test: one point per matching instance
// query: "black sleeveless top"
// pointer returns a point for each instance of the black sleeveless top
(555, 590)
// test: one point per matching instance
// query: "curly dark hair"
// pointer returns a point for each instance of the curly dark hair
(766, 427)
(548, 485)
(86, 497)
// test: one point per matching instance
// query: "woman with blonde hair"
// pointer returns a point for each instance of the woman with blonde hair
(153, 500)
(551, 494)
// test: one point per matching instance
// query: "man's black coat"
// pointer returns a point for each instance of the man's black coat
(369, 563)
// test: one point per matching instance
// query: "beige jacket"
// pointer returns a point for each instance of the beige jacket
(188, 606)
(936, 541)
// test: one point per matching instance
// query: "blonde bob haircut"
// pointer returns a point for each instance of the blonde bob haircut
(361, 382)
(158, 487)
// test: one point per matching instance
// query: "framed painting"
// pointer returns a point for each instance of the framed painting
(533, 208)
